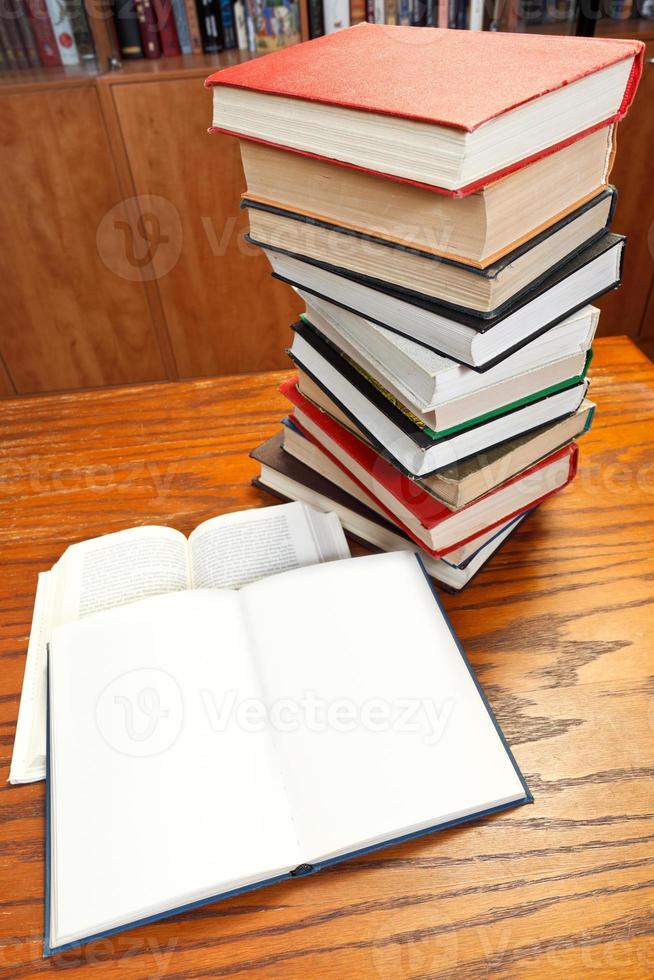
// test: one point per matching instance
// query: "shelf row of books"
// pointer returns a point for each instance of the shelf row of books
(447, 227)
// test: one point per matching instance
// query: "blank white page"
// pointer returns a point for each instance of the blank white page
(379, 723)
(160, 795)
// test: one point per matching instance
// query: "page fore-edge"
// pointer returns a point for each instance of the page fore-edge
(302, 869)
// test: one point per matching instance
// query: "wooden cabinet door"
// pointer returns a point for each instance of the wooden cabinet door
(68, 319)
(224, 313)
(624, 310)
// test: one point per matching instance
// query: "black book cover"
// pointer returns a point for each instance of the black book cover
(421, 439)
(210, 25)
(316, 19)
(480, 323)
(127, 29)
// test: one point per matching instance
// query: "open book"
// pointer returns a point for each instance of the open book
(229, 739)
(227, 551)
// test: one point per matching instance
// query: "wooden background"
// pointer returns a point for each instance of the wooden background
(79, 154)
(559, 628)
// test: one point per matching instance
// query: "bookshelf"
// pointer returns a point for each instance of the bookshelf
(83, 148)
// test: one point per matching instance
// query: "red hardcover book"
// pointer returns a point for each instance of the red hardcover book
(163, 10)
(403, 500)
(43, 33)
(461, 81)
(150, 40)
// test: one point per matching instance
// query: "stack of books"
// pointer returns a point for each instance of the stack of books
(440, 202)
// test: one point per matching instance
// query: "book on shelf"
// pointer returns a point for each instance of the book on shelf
(165, 20)
(82, 32)
(485, 292)
(251, 800)
(127, 29)
(476, 341)
(19, 12)
(335, 15)
(290, 472)
(182, 26)
(193, 26)
(428, 521)
(228, 24)
(224, 552)
(63, 32)
(147, 18)
(276, 26)
(440, 391)
(477, 230)
(495, 101)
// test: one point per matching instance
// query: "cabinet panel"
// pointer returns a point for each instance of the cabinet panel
(223, 310)
(623, 310)
(69, 321)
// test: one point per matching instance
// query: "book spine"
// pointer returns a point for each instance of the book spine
(379, 11)
(148, 29)
(63, 32)
(404, 12)
(81, 32)
(102, 25)
(165, 20)
(209, 27)
(316, 22)
(26, 35)
(127, 29)
(476, 18)
(357, 12)
(431, 13)
(181, 25)
(43, 33)
(370, 11)
(9, 45)
(390, 9)
(193, 26)
(336, 15)
(227, 23)
(240, 25)
(418, 13)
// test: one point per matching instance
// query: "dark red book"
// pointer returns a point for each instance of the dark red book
(150, 41)
(44, 36)
(464, 88)
(165, 17)
(430, 523)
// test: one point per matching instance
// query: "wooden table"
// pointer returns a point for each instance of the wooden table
(559, 628)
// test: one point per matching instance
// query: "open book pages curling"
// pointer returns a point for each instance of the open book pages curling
(266, 747)
(225, 552)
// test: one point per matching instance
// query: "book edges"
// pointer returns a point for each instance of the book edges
(461, 260)
(271, 453)
(425, 508)
(488, 271)
(570, 450)
(423, 438)
(478, 321)
(465, 191)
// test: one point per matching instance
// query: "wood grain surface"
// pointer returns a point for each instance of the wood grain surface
(559, 627)
(68, 320)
